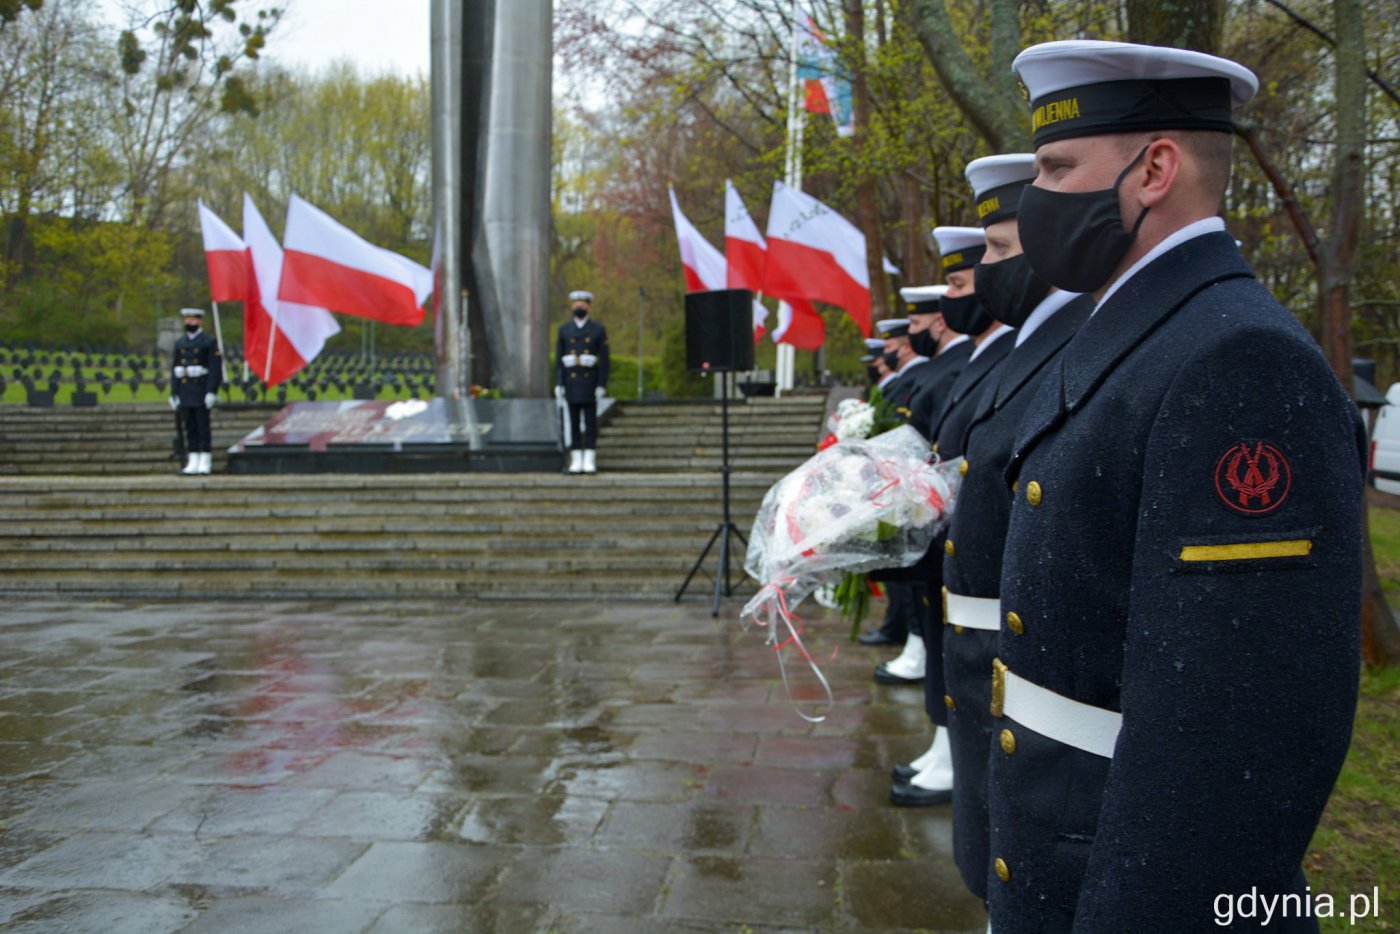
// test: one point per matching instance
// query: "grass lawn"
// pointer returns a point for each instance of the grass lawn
(1357, 847)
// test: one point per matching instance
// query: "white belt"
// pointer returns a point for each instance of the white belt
(179, 372)
(587, 359)
(974, 612)
(196, 371)
(1083, 726)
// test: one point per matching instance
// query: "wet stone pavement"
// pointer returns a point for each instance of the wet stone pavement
(443, 766)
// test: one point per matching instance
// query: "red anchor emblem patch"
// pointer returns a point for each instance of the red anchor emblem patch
(1253, 477)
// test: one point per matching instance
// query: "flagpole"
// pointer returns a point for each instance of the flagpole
(792, 176)
(219, 336)
(271, 339)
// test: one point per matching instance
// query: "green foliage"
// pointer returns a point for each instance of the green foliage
(11, 9)
(622, 380)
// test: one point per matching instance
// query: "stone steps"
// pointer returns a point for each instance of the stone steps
(90, 507)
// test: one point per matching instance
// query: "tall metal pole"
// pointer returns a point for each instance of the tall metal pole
(510, 82)
(449, 322)
(792, 176)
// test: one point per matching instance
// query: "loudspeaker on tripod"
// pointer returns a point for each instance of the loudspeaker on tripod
(719, 331)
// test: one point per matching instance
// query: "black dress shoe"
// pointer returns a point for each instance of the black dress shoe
(902, 772)
(905, 795)
(884, 676)
(876, 637)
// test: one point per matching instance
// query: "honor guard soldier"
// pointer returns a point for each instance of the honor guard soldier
(1044, 320)
(581, 364)
(197, 371)
(929, 778)
(1180, 592)
(947, 353)
(875, 368)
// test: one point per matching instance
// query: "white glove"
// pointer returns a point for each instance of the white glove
(587, 359)
(209, 400)
(559, 393)
(569, 360)
(174, 403)
(600, 392)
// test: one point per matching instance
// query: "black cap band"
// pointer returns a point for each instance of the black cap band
(1000, 203)
(1133, 106)
(965, 258)
(922, 308)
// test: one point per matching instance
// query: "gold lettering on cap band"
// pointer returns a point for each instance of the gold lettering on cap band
(986, 207)
(1055, 112)
(952, 259)
(1248, 551)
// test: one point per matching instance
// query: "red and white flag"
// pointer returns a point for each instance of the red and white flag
(800, 325)
(705, 268)
(815, 254)
(279, 337)
(226, 256)
(330, 266)
(745, 252)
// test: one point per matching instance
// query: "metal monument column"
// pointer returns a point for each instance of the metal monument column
(495, 71)
(449, 311)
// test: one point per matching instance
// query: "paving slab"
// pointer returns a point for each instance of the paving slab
(449, 765)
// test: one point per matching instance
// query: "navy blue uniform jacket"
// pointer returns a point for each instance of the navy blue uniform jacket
(199, 350)
(579, 382)
(1184, 547)
(978, 528)
(947, 429)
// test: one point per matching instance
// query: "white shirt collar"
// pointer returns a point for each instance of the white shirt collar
(1189, 232)
(952, 343)
(1047, 307)
(915, 361)
(886, 380)
(580, 322)
(991, 338)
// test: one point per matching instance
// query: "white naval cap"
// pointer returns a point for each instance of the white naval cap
(893, 327)
(1086, 87)
(191, 312)
(922, 299)
(581, 296)
(997, 182)
(960, 247)
(874, 343)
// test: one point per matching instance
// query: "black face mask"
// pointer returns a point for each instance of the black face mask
(872, 374)
(580, 313)
(1010, 289)
(965, 314)
(891, 359)
(1074, 240)
(191, 328)
(923, 343)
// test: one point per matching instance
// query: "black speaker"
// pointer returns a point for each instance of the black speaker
(719, 331)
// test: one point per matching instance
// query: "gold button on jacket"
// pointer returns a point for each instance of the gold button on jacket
(1003, 872)
(1033, 493)
(1013, 622)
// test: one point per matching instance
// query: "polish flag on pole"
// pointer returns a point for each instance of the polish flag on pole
(226, 256)
(704, 265)
(816, 254)
(745, 252)
(800, 325)
(279, 337)
(330, 266)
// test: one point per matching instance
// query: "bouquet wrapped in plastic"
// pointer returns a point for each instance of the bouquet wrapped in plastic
(853, 507)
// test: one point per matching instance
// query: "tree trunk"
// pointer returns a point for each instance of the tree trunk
(867, 208)
(996, 111)
(1182, 24)
(911, 200)
(1380, 641)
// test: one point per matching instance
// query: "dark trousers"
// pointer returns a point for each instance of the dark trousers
(197, 437)
(583, 425)
(899, 610)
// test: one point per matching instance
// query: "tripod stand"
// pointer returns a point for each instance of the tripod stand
(726, 528)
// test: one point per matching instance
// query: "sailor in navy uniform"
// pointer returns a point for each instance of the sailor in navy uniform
(929, 778)
(1044, 320)
(875, 368)
(1180, 591)
(196, 372)
(581, 364)
(947, 353)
